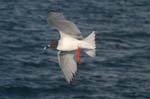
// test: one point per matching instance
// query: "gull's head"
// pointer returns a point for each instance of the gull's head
(53, 44)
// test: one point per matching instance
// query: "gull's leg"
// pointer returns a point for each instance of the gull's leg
(77, 55)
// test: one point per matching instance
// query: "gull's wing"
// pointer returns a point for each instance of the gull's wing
(58, 21)
(67, 64)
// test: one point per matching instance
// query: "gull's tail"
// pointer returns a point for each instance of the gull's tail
(91, 52)
(89, 45)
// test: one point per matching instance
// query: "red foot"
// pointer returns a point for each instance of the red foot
(77, 54)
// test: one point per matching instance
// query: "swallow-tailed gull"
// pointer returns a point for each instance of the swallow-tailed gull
(70, 41)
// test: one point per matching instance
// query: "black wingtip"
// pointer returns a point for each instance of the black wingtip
(72, 79)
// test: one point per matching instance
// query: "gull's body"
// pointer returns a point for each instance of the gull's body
(68, 43)
(70, 40)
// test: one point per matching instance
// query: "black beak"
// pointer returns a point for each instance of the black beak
(46, 47)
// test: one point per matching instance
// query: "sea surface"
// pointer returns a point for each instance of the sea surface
(121, 69)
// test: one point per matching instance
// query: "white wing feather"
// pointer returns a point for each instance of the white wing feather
(57, 20)
(67, 64)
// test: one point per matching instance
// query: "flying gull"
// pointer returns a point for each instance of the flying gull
(69, 44)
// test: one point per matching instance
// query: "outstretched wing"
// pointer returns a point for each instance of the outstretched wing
(67, 64)
(57, 20)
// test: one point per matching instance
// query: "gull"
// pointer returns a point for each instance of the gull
(69, 44)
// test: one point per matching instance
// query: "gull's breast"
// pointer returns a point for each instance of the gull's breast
(68, 44)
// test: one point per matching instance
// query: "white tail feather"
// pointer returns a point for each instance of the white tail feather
(91, 39)
(90, 45)
(91, 52)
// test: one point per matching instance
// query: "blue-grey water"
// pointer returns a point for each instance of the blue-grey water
(121, 69)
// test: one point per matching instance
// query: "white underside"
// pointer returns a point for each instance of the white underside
(68, 43)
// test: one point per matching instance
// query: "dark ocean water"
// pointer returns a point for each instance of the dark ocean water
(121, 69)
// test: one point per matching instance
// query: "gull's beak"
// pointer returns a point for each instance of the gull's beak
(46, 47)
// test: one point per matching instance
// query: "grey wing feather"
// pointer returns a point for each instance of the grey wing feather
(58, 21)
(67, 64)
